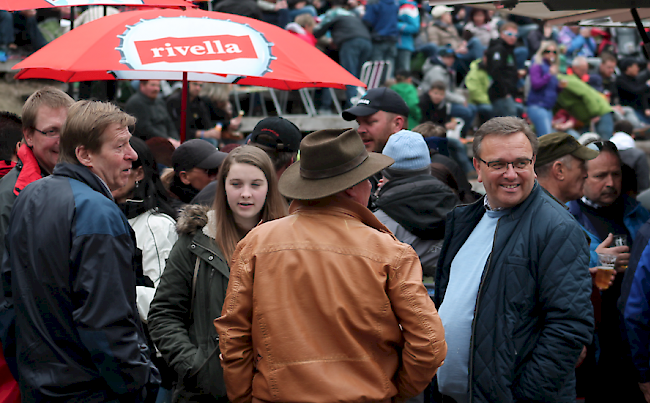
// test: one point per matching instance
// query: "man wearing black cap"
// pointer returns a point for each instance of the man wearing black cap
(631, 92)
(340, 311)
(380, 113)
(196, 163)
(279, 138)
(560, 165)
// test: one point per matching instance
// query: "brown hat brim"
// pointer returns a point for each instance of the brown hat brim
(294, 186)
(585, 153)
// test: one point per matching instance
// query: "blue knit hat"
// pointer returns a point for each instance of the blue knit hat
(409, 150)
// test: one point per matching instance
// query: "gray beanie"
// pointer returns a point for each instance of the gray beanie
(409, 150)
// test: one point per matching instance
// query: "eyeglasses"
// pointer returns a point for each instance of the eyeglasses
(550, 51)
(499, 166)
(510, 33)
(49, 133)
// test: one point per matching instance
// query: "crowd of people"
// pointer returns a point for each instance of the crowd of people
(355, 265)
(344, 265)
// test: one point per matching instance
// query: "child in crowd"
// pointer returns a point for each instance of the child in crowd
(435, 108)
(409, 93)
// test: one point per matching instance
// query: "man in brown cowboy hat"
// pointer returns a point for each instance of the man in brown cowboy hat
(326, 304)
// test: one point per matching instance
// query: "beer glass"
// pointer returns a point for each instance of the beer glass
(605, 270)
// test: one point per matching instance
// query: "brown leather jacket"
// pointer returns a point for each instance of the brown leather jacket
(326, 305)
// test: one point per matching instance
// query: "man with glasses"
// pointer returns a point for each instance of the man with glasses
(502, 67)
(513, 286)
(43, 116)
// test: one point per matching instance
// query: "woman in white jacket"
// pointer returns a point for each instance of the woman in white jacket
(144, 202)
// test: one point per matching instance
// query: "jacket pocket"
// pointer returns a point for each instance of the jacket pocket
(206, 376)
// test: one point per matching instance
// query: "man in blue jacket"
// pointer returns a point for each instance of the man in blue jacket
(513, 286)
(69, 266)
(381, 18)
(605, 210)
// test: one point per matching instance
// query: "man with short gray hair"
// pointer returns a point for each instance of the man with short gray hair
(70, 269)
(560, 165)
(512, 286)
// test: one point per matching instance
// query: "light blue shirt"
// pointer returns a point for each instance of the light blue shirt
(457, 308)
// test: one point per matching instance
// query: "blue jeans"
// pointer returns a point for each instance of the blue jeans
(475, 51)
(458, 153)
(352, 54)
(428, 50)
(386, 50)
(505, 106)
(605, 126)
(642, 117)
(485, 112)
(6, 28)
(467, 113)
(541, 118)
(403, 61)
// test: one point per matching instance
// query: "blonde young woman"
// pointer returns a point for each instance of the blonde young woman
(193, 286)
(544, 87)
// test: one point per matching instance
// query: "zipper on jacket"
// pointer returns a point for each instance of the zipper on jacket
(478, 297)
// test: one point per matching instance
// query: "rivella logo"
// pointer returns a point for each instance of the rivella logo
(196, 44)
(193, 49)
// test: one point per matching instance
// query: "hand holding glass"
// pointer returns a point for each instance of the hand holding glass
(605, 270)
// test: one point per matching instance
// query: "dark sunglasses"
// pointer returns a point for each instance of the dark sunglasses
(550, 51)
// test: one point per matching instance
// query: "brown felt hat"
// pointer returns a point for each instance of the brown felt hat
(330, 162)
(554, 146)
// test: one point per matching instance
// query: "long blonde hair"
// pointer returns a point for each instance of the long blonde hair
(227, 232)
(539, 56)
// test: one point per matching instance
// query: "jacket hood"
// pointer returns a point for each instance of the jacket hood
(191, 219)
(295, 27)
(477, 65)
(419, 204)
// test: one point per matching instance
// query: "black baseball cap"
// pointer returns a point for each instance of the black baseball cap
(553, 146)
(375, 100)
(197, 153)
(278, 133)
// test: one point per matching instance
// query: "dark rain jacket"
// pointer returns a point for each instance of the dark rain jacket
(502, 67)
(414, 209)
(533, 311)
(69, 267)
(186, 335)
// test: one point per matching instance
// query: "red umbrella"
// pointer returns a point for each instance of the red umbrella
(192, 44)
(17, 5)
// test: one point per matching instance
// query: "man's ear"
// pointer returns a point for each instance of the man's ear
(84, 156)
(558, 170)
(183, 176)
(399, 122)
(28, 136)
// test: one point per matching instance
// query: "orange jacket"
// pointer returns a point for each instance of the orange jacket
(327, 305)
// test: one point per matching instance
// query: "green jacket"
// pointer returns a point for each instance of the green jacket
(409, 94)
(581, 100)
(477, 82)
(186, 337)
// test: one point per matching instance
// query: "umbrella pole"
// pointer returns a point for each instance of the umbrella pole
(184, 106)
(642, 32)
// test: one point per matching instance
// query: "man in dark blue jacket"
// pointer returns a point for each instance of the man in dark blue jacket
(513, 286)
(381, 18)
(69, 266)
(605, 209)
